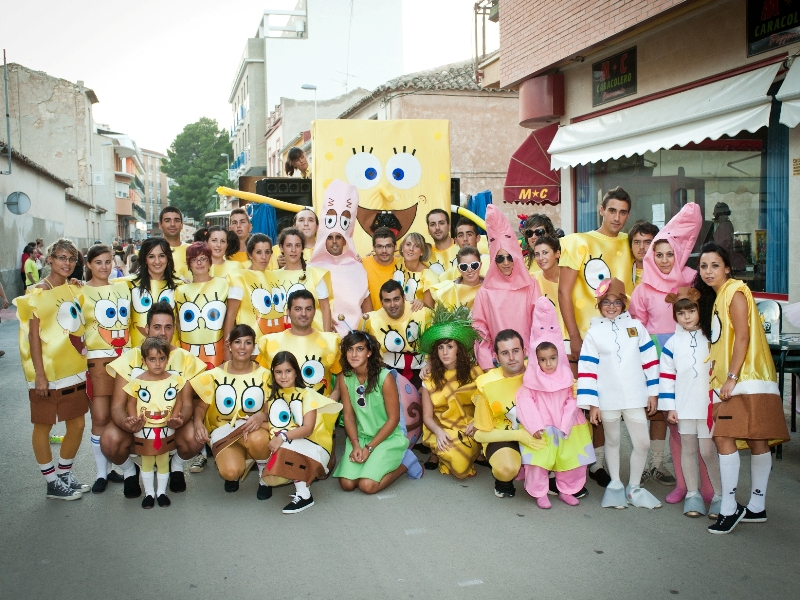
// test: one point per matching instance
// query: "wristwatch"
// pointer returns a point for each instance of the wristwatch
(732, 376)
(369, 449)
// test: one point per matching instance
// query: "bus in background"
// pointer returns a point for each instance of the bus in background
(220, 217)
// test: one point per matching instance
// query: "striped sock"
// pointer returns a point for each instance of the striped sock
(64, 465)
(49, 471)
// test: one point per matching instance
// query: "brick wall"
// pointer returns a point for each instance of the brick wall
(535, 34)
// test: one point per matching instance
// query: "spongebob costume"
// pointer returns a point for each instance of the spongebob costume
(317, 354)
(107, 310)
(201, 314)
(179, 362)
(62, 331)
(441, 261)
(398, 339)
(414, 284)
(157, 401)
(263, 300)
(452, 294)
(142, 301)
(313, 279)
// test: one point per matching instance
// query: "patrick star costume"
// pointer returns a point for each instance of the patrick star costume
(546, 404)
(502, 302)
(348, 277)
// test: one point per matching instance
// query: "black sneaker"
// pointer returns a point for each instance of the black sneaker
(727, 523)
(99, 485)
(163, 501)
(148, 502)
(504, 489)
(298, 504)
(553, 489)
(131, 487)
(754, 517)
(115, 477)
(232, 486)
(600, 477)
(264, 492)
(582, 493)
(177, 482)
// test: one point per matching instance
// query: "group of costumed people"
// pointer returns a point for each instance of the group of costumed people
(525, 367)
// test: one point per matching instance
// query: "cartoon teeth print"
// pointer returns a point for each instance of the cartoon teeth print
(269, 305)
(200, 321)
(596, 271)
(70, 318)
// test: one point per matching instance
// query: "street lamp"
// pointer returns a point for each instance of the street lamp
(229, 163)
(308, 86)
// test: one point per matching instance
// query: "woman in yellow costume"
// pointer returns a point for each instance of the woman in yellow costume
(231, 416)
(223, 244)
(300, 423)
(296, 274)
(462, 290)
(53, 354)
(546, 254)
(107, 310)
(201, 308)
(155, 281)
(447, 408)
(746, 404)
(411, 269)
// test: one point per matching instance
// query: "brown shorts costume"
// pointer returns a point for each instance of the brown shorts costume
(102, 382)
(59, 405)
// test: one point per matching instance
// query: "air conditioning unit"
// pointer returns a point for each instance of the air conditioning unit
(97, 179)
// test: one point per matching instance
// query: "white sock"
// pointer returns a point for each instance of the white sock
(147, 480)
(162, 484)
(261, 464)
(176, 464)
(48, 471)
(203, 451)
(100, 461)
(760, 466)
(301, 488)
(657, 453)
(128, 468)
(729, 477)
(600, 457)
(64, 465)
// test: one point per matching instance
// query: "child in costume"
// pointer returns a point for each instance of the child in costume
(300, 424)
(153, 398)
(447, 408)
(547, 408)
(684, 392)
(618, 377)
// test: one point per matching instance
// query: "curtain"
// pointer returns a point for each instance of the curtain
(586, 206)
(777, 205)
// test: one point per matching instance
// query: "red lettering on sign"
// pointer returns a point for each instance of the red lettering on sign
(622, 67)
(769, 10)
(606, 71)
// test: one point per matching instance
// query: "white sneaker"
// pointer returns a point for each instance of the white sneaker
(198, 464)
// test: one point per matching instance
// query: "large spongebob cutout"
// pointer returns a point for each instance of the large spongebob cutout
(401, 169)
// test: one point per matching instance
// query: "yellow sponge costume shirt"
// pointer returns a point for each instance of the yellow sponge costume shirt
(62, 331)
(496, 400)
(263, 301)
(201, 314)
(141, 302)
(453, 294)
(317, 354)
(107, 310)
(228, 266)
(179, 259)
(441, 260)
(398, 338)
(315, 278)
(155, 399)
(179, 362)
(231, 397)
(414, 284)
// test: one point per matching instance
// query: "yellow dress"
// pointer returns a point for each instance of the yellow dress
(201, 314)
(441, 260)
(290, 281)
(453, 410)
(453, 294)
(549, 290)
(316, 353)
(415, 284)
(263, 301)
(179, 362)
(141, 302)
(230, 398)
(399, 337)
(107, 310)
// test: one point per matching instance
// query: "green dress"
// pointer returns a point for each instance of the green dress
(370, 418)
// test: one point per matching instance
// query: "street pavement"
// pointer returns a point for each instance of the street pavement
(433, 538)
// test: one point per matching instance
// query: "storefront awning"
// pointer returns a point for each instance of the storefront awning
(529, 179)
(789, 95)
(710, 111)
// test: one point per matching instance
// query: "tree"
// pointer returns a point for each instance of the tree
(195, 161)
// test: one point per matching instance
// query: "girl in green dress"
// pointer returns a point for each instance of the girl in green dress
(375, 442)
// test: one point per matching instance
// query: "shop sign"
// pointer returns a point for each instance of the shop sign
(772, 24)
(614, 77)
(538, 194)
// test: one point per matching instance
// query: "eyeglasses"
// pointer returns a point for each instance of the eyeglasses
(385, 247)
(199, 260)
(66, 259)
(501, 258)
(617, 303)
(361, 400)
(473, 266)
(539, 232)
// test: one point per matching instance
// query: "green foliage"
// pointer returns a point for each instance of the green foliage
(195, 163)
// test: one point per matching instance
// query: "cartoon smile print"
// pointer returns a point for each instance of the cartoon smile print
(142, 302)
(111, 320)
(400, 351)
(313, 374)
(230, 404)
(70, 318)
(156, 417)
(595, 271)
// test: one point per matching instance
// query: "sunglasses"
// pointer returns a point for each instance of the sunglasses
(537, 232)
(501, 258)
(473, 266)
(361, 400)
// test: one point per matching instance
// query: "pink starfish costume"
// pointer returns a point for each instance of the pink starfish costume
(503, 302)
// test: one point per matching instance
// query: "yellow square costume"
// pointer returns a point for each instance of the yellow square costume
(228, 266)
(107, 310)
(314, 279)
(263, 300)
(452, 294)
(414, 284)
(398, 338)
(316, 353)
(201, 314)
(142, 301)
(156, 400)
(180, 362)
(442, 260)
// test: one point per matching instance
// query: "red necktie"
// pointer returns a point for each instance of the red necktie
(157, 443)
(408, 358)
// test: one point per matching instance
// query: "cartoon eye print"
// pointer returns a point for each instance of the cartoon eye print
(295, 287)
(330, 219)
(142, 300)
(213, 314)
(596, 271)
(189, 316)
(135, 372)
(253, 399)
(279, 413)
(716, 328)
(80, 313)
(399, 276)
(312, 371)
(143, 395)
(279, 299)
(363, 170)
(171, 394)
(393, 341)
(225, 399)
(123, 311)
(105, 312)
(69, 316)
(403, 170)
(167, 296)
(345, 219)
(296, 406)
(262, 300)
(410, 288)
(412, 332)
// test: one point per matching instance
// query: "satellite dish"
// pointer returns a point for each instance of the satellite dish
(18, 203)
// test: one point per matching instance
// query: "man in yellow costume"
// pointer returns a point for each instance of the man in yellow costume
(170, 220)
(444, 249)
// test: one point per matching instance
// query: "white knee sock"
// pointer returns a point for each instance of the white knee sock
(600, 456)
(100, 461)
(64, 465)
(640, 437)
(261, 464)
(691, 468)
(162, 483)
(128, 468)
(301, 488)
(710, 457)
(760, 466)
(729, 477)
(147, 481)
(657, 453)
(48, 471)
(612, 430)
(176, 464)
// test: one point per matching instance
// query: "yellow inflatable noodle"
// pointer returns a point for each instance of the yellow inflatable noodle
(260, 199)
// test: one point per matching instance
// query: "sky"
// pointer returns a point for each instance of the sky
(158, 65)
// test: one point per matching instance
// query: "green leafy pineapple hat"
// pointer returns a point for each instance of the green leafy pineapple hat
(449, 324)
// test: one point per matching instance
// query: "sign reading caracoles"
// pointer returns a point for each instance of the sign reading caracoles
(772, 24)
(614, 77)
